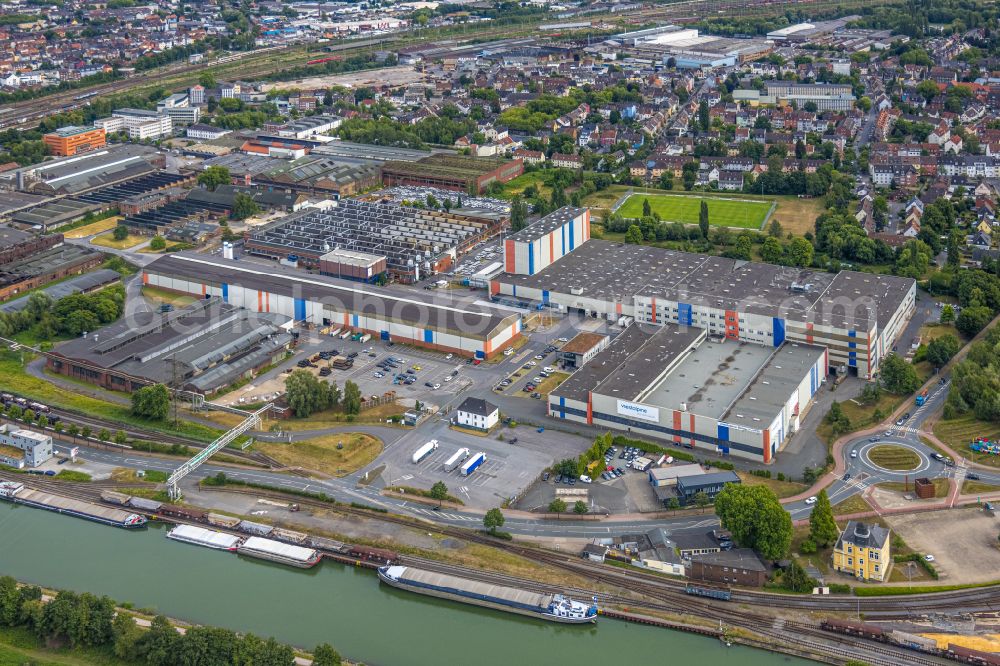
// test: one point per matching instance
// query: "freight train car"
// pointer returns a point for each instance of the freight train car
(710, 591)
(368, 554)
(970, 656)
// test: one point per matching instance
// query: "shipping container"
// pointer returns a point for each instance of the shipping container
(456, 459)
(425, 450)
(473, 463)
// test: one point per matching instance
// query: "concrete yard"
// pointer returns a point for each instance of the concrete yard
(962, 541)
(401, 75)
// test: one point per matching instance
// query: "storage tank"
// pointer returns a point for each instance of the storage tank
(425, 451)
(473, 463)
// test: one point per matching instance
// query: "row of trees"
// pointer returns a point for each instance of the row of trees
(307, 395)
(69, 316)
(975, 381)
(87, 621)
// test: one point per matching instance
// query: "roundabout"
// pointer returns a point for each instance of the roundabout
(894, 458)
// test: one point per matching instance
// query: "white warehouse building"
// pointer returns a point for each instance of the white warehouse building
(385, 312)
(21, 448)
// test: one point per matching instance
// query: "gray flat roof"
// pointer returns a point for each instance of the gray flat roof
(85, 282)
(547, 224)
(631, 362)
(770, 388)
(413, 307)
(609, 271)
(710, 378)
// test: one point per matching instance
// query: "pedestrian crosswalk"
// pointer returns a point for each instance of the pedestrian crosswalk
(443, 514)
(903, 429)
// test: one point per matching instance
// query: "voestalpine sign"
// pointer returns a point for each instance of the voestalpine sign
(635, 410)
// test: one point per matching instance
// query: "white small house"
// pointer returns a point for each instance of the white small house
(477, 413)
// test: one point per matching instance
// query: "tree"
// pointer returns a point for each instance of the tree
(690, 174)
(558, 199)
(325, 655)
(151, 402)
(126, 637)
(633, 235)
(647, 210)
(947, 314)
(120, 233)
(774, 229)
(214, 176)
(837, 418)
(800, 252)
(352, 398)
(673, 504)
(439, 491)
(244, 206)
(700, 499)
(822, 527)
(104, 435)
(557, 506)
(941, 350)
(755, 518)
(897, 375)
(86, 432)
(703, 219)
(120, 437)
(206, 79)
(493, 519)
(795, 578)
(157, 243)
(518, 214)
(158, 646)
(580, 508)
(703, 118)
(307, 395)
(771, 250)
(973, 319)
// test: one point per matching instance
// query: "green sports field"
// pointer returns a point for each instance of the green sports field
(722, 212)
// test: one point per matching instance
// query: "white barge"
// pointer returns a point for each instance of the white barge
(283, 553)
(199, 536)
(551, 607)
(17, 493)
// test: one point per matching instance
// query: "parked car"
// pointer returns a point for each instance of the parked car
(545, 476)
(585, 479)
(928, 558)
(972, 476)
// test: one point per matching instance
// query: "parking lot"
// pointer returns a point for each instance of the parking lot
(532, 365)
(510, 468)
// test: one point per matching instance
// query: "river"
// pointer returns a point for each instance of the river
(333, 603)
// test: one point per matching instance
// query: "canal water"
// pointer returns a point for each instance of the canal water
(333, 603)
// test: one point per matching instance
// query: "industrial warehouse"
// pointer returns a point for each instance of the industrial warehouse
(201, 348)
(405, 244)
(387, 313)
(677, 382)
(856, 316)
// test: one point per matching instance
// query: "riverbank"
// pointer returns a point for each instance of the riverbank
(332, 602)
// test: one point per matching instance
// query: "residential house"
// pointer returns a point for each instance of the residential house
(477, 413)
(863, 551)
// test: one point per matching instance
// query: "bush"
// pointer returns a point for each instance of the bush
(808, 547)
(839, 588)
(506, 536)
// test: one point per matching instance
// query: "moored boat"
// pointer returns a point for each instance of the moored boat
(551, 607)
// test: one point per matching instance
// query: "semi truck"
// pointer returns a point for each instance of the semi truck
(424, 451)
(346, 333)
(473, 463)
(366, 337)
(456, 459)
(922, 398)
(334, 332)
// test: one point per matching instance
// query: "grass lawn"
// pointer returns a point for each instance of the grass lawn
(894, 457)
(798, 215)
(851, 505)
(164, 296)
(331, 419)
(72, 475)
(93, 228)
(862, 416)
(933, 331)
(722, 211)
(959, 433)
(940, 487)
(522, 182)
(13, 375)
(781, 488)
(550, 383)
(108, 240)
(322, 455)
(978, 488)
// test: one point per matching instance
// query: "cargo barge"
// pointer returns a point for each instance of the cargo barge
(17, 493)
(199, 536)
(282, 553)
(551, 607)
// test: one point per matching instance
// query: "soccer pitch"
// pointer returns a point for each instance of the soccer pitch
(722, 212)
